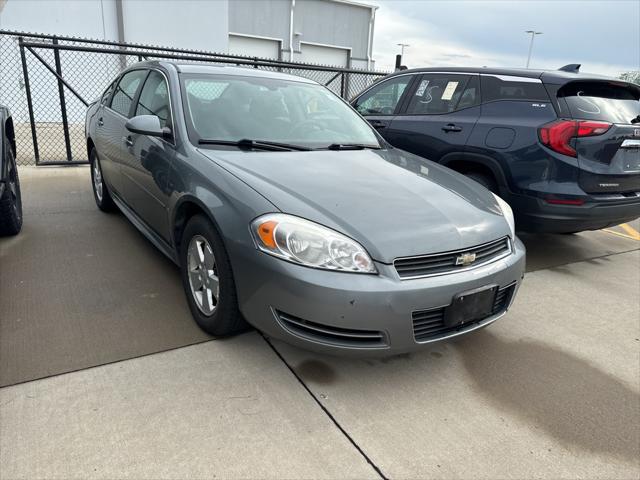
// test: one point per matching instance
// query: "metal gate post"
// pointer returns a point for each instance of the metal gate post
(27, 88)
(63, 103)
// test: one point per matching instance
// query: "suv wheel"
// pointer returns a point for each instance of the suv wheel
(207, 279)
(11, 201)
(100, 192)
(483, 179)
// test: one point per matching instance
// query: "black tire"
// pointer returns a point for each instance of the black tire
(485, 180)
(226, 318)
(103, 199)
(11, 201)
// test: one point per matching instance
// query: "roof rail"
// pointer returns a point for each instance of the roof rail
(572, 67)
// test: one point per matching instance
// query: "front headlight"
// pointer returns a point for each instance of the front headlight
(307, 243)
(508, 214)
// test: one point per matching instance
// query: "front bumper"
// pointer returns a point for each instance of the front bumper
(275, 296)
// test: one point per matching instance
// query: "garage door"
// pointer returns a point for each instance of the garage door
(323, 55)
(254, 47)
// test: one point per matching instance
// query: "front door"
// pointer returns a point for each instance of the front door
(148, 159)
(379, 104)
(438, 116)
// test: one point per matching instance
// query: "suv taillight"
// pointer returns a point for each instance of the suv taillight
(557, 135)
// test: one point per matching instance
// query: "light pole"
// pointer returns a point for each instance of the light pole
(402, 45)
(533, 34)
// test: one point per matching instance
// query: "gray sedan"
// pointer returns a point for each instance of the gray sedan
(286, 210)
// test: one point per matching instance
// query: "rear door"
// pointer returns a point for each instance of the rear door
(110, 127)
(380, 103)
(438, 116)
(609, 162)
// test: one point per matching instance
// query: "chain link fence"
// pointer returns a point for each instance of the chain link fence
(47, 82)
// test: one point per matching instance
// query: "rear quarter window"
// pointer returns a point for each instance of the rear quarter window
(502, 88)
(605, 101)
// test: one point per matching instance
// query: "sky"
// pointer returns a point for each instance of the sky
(602, 35)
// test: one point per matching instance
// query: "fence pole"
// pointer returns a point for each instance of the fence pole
(63, 103)
(27, 88)
(342, 85)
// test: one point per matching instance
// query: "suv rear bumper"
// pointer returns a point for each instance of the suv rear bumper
(533, 214)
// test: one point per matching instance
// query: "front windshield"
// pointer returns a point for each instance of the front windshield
(233, 108)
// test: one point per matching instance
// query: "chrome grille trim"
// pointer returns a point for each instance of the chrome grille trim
(425, 265)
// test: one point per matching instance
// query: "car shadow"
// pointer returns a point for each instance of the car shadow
(566, 396)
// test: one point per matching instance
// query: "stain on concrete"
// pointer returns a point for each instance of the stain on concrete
(435, 354)
(566, 396)
(316, 371)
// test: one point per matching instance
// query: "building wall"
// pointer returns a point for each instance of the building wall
(192, 24)
(79, 18)
(315, 22)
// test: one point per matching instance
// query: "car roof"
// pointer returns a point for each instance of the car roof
(202, 68)
(547, 76)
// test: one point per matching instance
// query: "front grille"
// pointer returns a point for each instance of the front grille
(428, 324)
(332, 335)
(441, 263)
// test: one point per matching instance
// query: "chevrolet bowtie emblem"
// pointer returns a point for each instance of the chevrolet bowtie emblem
(465, 259)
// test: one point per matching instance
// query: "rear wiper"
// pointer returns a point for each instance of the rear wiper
(255, 145)
(351, 146)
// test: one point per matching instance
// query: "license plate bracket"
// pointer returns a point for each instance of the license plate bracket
(470, 306)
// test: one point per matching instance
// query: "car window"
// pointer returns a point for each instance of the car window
(439, 93)
(384, 97)
(154, 98)
(232, 108)
(126, 91)
(107, 93)
(512, 88)
(615, 103)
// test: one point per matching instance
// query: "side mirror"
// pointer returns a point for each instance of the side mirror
(147, 125)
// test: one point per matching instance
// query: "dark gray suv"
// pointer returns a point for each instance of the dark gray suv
(561, 147)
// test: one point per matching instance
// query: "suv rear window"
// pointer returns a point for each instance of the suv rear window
(510, 88)
(608, 101)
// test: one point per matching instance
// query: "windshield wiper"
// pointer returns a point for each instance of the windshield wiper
(255, 145)
(352, 146)
(636, 120)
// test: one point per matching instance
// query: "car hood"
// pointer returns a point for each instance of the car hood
(393, 203)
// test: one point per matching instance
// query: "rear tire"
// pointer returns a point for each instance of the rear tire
(100, 191)
(208, 280)
(11, 201)
(485, 180)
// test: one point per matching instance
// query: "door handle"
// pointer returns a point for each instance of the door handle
(450, 127)
(377, 124)
(100, 122)
(128, 141)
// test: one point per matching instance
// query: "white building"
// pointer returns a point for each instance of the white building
(330, 32)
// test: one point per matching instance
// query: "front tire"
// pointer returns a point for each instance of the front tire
(208, 280)
(100, 191)
(11, 201)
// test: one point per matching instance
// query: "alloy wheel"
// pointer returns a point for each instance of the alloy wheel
(97, 179)
(203, 274)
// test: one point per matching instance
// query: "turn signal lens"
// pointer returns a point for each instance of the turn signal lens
(266, 231)
(307, 243)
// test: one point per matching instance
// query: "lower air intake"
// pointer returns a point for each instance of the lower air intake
(332, 335)
(429, 324)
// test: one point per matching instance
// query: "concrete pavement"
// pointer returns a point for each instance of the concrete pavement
(552, 390)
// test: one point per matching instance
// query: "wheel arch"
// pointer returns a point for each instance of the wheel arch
(185, 209)
(90, 146)
(473, 162)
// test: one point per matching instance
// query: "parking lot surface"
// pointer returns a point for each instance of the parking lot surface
(105, 375)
